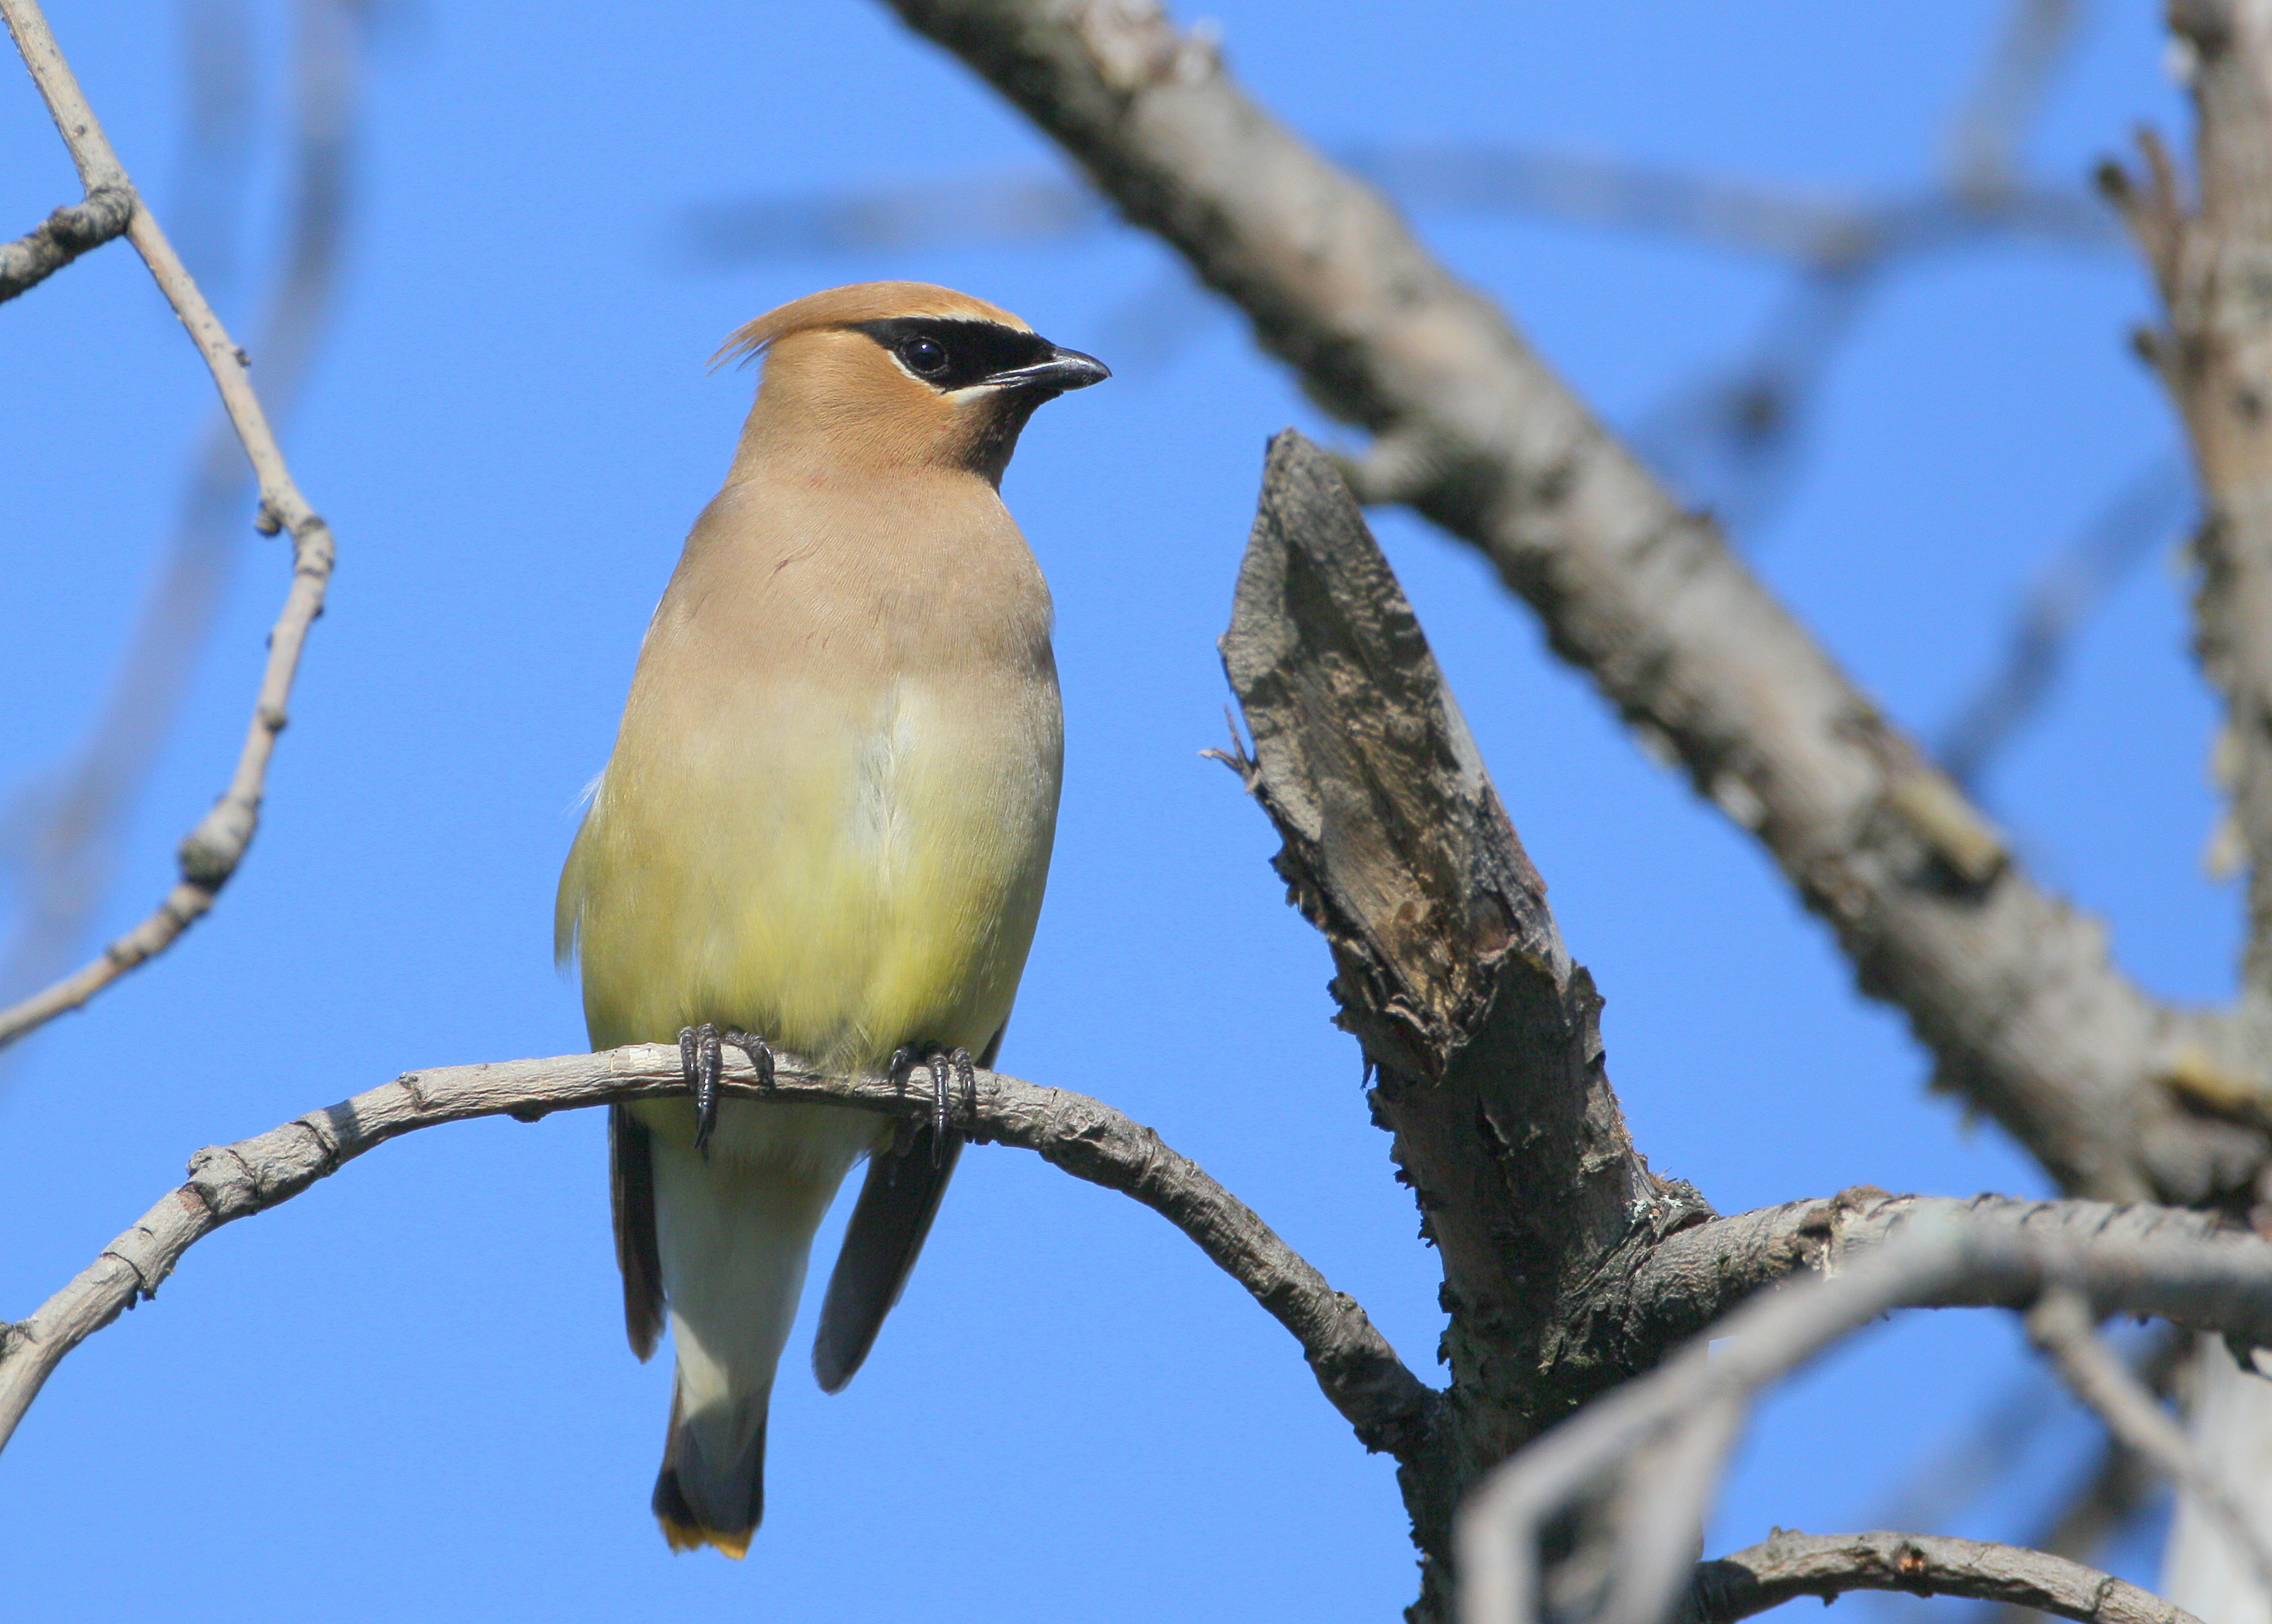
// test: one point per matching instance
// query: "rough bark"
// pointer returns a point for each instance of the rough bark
(1597, 1519)
(1482, 1033)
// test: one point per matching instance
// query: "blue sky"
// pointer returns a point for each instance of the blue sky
(407, 1389)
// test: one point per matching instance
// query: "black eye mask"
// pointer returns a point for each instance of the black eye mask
(950, 352)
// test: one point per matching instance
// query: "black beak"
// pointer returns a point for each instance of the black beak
(1064, 369)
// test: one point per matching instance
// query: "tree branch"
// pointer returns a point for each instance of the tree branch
(61, 237)
(210, 852)
(1360, 1373)
(2211, 262)
(1482, 1033)
(2060, 1325)
(2134, 1259)
(2011, 989)
(71, 825)
(1650, 1452)
(1791, 1565)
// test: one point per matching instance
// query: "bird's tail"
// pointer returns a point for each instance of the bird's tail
(734, 1238)
(712, 1488)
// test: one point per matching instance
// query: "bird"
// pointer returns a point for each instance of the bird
(826, 826)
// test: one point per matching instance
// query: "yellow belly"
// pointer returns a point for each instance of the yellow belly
(841, 884)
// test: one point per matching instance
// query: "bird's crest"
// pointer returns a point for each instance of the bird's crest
(848, 306)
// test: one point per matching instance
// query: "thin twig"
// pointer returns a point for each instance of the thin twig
(1791, 1565)
(210, 854)
(70, 231)
(2061, 1325)
(1358, 1371)
(2146, 508)
(1490, 180)
(72, 825)
(1986, 133)
(2113, 1486)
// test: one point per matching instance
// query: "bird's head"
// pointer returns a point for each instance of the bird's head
(900, 374)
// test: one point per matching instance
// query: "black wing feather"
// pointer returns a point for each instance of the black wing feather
(630, 1191)
(881, 1244)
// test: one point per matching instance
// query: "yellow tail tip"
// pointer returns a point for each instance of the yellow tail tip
(689, 1537)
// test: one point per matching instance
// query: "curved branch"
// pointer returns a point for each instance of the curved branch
(1389, 1407)
(210, 852)
(1791, 1565)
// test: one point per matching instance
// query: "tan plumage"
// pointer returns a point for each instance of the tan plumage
(826, 822)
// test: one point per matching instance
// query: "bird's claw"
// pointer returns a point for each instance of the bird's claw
(938, 1060)
(702, 1058)
(760, 1053)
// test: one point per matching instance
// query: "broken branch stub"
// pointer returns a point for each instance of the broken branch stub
(1482, 1032)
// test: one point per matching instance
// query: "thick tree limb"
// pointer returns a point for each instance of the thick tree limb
(2187, 1267)
(1482, 1033)
(210, 852)
(2011, 989)
(1358, 1371)
(1791, 1565)
(61, 237)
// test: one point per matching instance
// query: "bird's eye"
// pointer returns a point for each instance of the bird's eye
(925, 357)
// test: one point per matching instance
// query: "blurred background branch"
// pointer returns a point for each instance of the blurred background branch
(1733, 438)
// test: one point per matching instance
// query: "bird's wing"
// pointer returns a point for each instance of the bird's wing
(631, 1191)
(897, 1205)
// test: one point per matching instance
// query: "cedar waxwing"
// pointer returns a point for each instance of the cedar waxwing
(826, 824)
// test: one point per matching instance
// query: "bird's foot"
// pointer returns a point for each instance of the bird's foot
(760, 1053)
(702, 1057)
(938, 1060)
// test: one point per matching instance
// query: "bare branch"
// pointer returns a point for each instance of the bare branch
(1980, 1465)
(1674, 1426)
(1814, 230)
(2011, 989)
(1791, 1565)
(2146, 508)
(1358, 1371)
(1652, 1297)
(210, 852)
(2113, 1492)
(63, 237)
(2211, 259)
(72, 825)
(2061, 1325)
